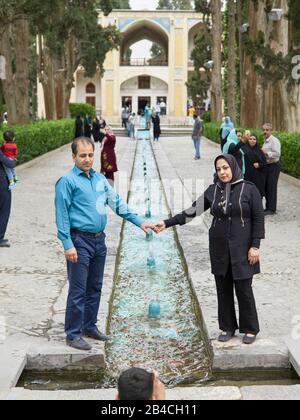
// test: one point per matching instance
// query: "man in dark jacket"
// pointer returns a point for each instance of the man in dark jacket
(5, 198)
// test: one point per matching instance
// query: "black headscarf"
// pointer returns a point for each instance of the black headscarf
(237, 177)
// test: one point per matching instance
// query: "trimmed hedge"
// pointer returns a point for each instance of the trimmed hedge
(290, 142)
(82, 110)
(38, 138)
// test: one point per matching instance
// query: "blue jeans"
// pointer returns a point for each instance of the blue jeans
(197, 144)
(11, 173)
(85, 285)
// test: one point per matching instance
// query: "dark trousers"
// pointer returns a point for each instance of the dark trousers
(247, 307)
(85, 285)
(273, 173)
(5, 208)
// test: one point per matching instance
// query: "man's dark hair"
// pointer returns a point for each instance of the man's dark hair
(84, 140)
(135, 384)
(8, 135)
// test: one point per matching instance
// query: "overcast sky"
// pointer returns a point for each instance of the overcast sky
(143, 4)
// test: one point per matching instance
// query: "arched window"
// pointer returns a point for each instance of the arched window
(91, 89)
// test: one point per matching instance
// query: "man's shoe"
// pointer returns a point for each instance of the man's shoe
(249, 339)
(79, 344)
(4, 244)
(226, 336)
(96, 335)
(269, 213)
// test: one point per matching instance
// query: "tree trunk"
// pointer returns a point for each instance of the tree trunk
(231, 91)
(216, 85)
(15, 48)
(22, 73)
(57, 78)
(252, 91)
(282, 104)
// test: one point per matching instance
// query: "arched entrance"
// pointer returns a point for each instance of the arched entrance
(145, 30)
(144, 89)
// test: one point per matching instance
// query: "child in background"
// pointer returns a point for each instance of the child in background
(10, 150)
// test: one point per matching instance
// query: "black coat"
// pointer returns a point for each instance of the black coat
(96, 131)
(257, 176)
(231, 236)
(156, 127)
(78, 128)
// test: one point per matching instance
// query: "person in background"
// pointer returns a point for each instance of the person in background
(88, 127)
(136, 384)
(108, 156)
(5, 198)
(163, 107)
(272, 151)
(10, 150)
(96, 130)
(156, 127)
(131, 126)
(196, 135)
(158, 108)
(78, 127)
(234, 241)
(103, 125)
(234, 147)
(256, 164)
(225, 130)
(191, 112)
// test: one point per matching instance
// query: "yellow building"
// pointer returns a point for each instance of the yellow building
(138, 82)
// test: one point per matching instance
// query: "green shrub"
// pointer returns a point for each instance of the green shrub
(82, 110)
(290, 143)
(38, 138)
(206, 117)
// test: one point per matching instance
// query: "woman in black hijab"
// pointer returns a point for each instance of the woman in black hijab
(256, 164)
(78, 127)
(234, 239)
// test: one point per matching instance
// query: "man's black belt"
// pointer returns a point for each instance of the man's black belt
(87, 234)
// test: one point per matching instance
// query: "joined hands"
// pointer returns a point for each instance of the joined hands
(156, 227)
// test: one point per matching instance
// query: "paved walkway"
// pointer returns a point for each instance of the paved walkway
(33, 276)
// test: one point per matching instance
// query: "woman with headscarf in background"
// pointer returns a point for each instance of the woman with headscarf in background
(225, 130)
(78, 127)
(234, 240)
(256, 164)
(234, 146)
(108, 156)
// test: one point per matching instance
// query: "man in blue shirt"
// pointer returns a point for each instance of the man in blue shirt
(82, 196)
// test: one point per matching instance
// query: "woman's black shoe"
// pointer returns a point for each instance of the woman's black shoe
(226, 336)
(249, 339)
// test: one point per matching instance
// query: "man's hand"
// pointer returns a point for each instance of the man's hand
(146, 226)
(159, 227)
(253, 256)
(256, 165)
(71, 255)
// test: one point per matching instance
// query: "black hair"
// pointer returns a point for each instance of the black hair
(8, 135)
(85, 140)
(136, 384)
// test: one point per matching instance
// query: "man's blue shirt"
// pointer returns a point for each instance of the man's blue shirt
(81, 204)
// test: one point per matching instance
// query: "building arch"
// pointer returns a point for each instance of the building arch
(144, 29)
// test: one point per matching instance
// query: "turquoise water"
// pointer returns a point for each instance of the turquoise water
(153, 322)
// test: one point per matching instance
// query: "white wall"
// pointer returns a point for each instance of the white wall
(82, 82)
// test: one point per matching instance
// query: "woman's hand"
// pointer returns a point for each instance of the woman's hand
(256, 165)
(159, 227)
(253, 256)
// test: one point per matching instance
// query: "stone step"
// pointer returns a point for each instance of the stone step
(293, 345)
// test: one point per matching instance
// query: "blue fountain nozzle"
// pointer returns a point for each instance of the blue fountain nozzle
(149, 236)
(154, 309)
(151, 263)
(148, 214)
